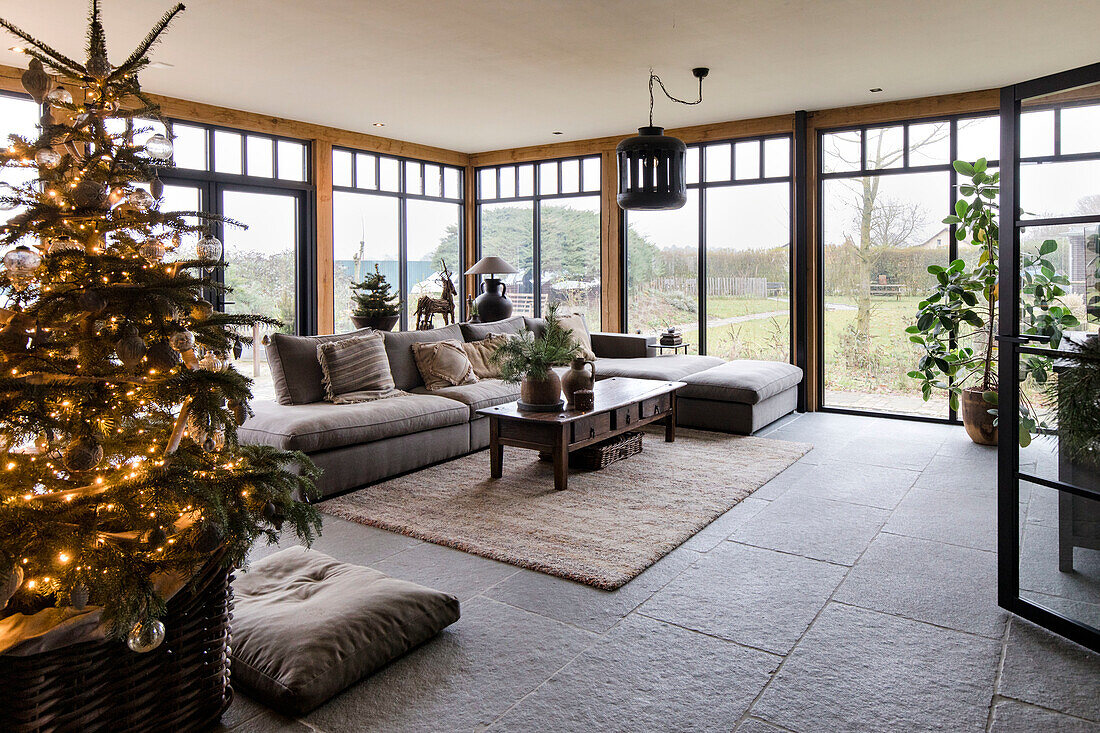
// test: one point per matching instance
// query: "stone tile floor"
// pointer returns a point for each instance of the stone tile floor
(854, 592)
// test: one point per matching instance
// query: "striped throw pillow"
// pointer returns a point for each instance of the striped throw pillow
(356, 370)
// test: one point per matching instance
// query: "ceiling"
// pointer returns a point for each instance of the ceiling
(477, 75)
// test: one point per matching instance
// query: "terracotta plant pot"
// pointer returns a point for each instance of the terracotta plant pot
(378, 323)
(976, 418)
(541, 391)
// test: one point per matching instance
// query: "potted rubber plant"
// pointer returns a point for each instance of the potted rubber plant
(956, 324)
(529, 360)
(375, 304)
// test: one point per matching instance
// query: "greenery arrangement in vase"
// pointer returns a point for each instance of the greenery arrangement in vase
(375, 304)
(529, 360)
(119, 403)
(964, 362)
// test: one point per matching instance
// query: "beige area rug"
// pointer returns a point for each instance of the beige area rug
(606, 528)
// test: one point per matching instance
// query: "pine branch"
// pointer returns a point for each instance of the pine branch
(97, 38)
(147, 43)
(59, 58)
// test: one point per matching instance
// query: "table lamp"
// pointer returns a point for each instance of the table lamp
(493, 303)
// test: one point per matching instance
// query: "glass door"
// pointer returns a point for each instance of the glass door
(1049, 354)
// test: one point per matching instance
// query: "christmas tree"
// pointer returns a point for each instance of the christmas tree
(118, 400)
(374, 298)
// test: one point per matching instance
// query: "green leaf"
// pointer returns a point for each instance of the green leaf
(1025, 438)
(961, 207)
(990, 397)
(961, 166)
(980, 165)
(1047, 247)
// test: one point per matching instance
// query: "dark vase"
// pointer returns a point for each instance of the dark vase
(378, 323)
(493, 304)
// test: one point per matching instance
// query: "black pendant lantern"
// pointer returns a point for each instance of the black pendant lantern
(651, 165)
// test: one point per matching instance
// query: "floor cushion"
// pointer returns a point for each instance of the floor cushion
(306, 626)
(672, 368)
(295, 372)
(747, 381)
(485, 393)
(323, 425)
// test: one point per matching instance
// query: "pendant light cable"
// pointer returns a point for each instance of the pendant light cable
(699, 73)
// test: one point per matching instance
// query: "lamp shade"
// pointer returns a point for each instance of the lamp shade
(491, 266)
(651, 171)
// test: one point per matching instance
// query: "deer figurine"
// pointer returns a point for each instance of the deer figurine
(427, 306)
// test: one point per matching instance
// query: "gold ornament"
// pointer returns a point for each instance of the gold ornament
(201, 310)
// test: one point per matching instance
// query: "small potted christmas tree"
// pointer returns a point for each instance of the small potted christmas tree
(375, 305)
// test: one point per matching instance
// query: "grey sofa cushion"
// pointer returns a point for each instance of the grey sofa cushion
(478, 331)
(746, 380)
(399, 350)
(535, 325)
(323, 425)
(485, 393)
(306, 626)
(621, 345)
(673, 368)
(355, 370)
(295, 370)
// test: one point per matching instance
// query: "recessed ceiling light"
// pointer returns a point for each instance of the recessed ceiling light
(876, 90)
(379, 124)
(558, 132)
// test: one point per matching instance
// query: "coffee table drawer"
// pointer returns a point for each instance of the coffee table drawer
(626, 416)
(591, 426)
(655, 405)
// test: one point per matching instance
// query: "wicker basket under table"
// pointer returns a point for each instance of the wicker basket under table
(603, 454)
(183, 685)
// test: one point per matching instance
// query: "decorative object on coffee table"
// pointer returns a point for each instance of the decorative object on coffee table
(427, 307)
(581, 376)
(622, 404)
(529, 360)
(376, 306)
(584, 400)
(492, 304)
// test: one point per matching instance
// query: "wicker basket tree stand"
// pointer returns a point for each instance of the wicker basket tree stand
(182, 685)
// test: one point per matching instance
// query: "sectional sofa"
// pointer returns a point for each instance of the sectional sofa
(362, 443)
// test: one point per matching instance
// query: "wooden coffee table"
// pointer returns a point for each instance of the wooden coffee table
(622, 404)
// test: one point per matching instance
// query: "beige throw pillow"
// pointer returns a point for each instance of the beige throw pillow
(443, 364)
(575, 322)
(355, 370)
(480, 353)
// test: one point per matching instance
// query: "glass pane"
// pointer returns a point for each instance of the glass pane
(979, 137)
(840, 152)
(364, 231)
(17, 117)
(433, 180)
(292, 160)
(718, 162)
(569, 231)
(1081, 129)
(662, 256)
(260, 266)
(506, 232)
(259, 160)
(691, 168)
(183, 198)
(487, 183)
(880, 235)
(507, 182)
(885, 148)
(432, 246)
(548, 177)
(1037, 133)
(414, 177)
(527, 180)
(227, 152)
(746, 158)
(189, 147)
(930, 143)
(452, 183)
(366, 171)
(341, 168)
(388, 179)
(1062, 257)
(570, 176)
(1070, 188)
(777, 157)
(591, 174)
(748, 272)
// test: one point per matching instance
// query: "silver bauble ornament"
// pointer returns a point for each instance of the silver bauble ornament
(36, 81)
(83, 454)
(146, 636)
(201, 310)
(22, 261)
(182, 340)
(141, 199)
(7, 205)
(210, 362)
(47, 158)
(89, 194)
(62, 243)
(152, 251)
(60, 96)
(209, 445)
(158, 147)
(209, 248)
(78, 597)
(130, 348)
